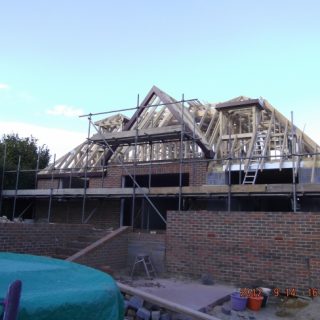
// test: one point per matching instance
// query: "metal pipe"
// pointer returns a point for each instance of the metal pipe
(122, 202)
(193, 145)
(149, 184)
(131, 177)
(103, 167)
(134, 167)
(293, 148)
(70, 179)
(150, 166)
(121, 211)
(16, 189)
(37, 169)
(51, 189)
(166, 304)
(3, 174)
(240, 163)
(229, 167)
(181, 152)
(185, 161)
(134, 108)
(142, 214)
(25, 209)
(85, 173)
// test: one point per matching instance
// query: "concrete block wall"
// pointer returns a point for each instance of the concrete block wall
(152, 244)
(38, 238)
(280, 249)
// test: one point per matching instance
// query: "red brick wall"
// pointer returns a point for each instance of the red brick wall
(280, 249)
(38, 238)
(197, 173)
(113, 253)
(106, 214)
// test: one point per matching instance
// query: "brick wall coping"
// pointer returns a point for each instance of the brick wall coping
(45, 224)
(263, 213)
(98, 243)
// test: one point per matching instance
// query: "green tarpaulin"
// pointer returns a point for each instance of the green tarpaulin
(54, 289)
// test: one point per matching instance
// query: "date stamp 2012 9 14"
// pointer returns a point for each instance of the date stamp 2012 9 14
(277, 292)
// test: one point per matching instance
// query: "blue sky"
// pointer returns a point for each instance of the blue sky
(62, 58)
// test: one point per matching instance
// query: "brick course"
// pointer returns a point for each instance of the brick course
(38, 238)
(280, 249)
(112, 253)
(44, 238)
(197, 173)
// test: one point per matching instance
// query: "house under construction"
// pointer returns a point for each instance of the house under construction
(239, 155)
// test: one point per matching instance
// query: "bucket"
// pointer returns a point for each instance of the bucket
(266, 293)
(238, 303)
(254, 303)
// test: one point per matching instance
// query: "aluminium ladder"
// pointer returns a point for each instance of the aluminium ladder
(254, 162)
(147, 264)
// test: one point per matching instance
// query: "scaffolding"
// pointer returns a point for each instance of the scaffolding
(242, 135)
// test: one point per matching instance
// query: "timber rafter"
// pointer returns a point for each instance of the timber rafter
(214, 131)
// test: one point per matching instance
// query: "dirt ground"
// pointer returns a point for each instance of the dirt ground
(277, 308)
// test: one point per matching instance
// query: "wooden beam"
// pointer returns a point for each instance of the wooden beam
(165, 119)
(205, 115)
(313, 170)
(240, 104)
(267, 142)
(238, 135)
(144, 135)
(284, 143)
(255, 126)
(215, 133)
(166, 304)
(306, 139)
(154, 122)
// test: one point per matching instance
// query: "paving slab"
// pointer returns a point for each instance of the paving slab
(189, 293)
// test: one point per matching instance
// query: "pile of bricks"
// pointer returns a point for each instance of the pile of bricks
(138, 309)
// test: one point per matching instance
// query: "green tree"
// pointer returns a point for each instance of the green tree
(11, 147)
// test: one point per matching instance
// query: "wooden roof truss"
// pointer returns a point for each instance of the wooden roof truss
(242, 129)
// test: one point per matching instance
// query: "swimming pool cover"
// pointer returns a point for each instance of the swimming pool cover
(58, 289)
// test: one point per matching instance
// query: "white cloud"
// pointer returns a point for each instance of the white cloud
(64, 110)
(59, 141)
(4, 86)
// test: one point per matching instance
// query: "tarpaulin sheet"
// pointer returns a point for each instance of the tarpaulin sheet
(55, 289)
